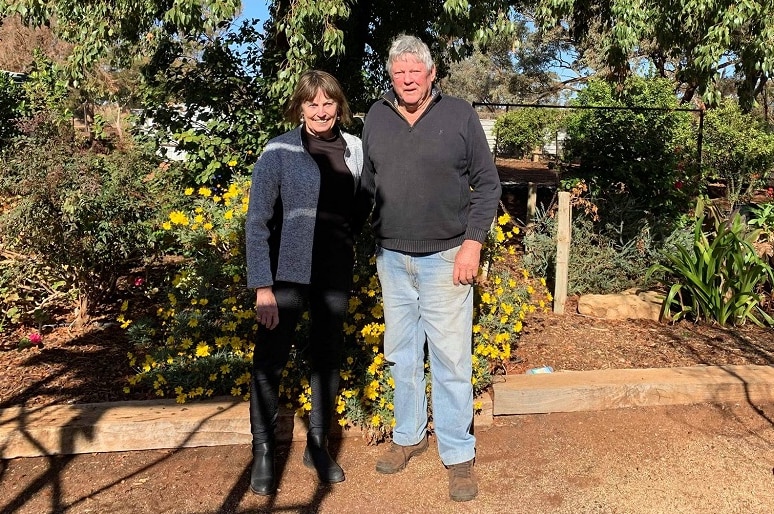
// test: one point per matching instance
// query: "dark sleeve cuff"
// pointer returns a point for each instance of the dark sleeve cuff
(476, 234)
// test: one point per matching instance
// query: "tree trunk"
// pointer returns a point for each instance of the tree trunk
(82, 314)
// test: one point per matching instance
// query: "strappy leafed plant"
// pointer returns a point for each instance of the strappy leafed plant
(720, 278)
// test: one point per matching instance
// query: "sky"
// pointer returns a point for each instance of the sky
(255, 9)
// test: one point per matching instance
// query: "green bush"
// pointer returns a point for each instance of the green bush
(521, 131)
(647, 155)
(85, 216)
(738, 150)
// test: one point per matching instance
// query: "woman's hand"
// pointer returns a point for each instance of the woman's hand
(266, 307)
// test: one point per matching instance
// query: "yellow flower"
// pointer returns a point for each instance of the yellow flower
(205, 191)
(343, 422)
(188, 191)
(166, 225)
(178, 218)
(202, 350)
(207, 226)
(502, 220)
(232, 162)
(375, 420)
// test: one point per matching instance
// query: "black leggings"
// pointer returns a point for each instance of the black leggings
(327, 309)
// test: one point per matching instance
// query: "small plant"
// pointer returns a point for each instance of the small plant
(606, 256)
(719, 278)
(30, 340)
(761, 217)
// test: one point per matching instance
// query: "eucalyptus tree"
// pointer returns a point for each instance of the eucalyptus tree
(692, 41)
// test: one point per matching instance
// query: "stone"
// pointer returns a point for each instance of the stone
(630, 304)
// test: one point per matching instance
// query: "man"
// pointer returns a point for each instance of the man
(436, 191)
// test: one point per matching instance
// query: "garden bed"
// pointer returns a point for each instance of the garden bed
(90, 365)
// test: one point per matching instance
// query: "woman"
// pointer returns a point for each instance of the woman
(300, 229)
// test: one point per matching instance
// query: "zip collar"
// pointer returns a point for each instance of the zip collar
(391, 99)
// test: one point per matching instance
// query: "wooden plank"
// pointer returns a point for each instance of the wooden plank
(563, 235)
(146, 425)
(572, 391)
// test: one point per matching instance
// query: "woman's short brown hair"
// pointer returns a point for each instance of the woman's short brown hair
(309, 84)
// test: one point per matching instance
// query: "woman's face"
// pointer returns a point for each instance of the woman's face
(320, 114)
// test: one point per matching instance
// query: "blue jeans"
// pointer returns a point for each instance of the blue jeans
(421, 303)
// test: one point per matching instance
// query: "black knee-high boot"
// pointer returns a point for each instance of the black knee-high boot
(264, 406)
(324, 389)
(317, 457)
(263, 419)
(262, 476)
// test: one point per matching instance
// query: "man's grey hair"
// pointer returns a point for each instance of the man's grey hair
(405, 44)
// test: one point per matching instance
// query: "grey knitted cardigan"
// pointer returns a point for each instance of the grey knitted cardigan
(286, 169)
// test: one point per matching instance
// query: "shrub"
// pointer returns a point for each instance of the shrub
(199, 342)
(648, 155)
(85, 216)
(521, 131)
(605, 255)
(737, 150)
(11, 97)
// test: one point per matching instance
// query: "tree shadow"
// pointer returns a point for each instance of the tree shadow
(84, 369)
(732, 346)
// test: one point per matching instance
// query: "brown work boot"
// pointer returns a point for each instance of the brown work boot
(396, 457)
(462, 483)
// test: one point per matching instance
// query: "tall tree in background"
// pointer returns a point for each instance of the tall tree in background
(691, 42)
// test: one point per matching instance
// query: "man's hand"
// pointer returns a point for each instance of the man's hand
(466, 262)
(266, 307)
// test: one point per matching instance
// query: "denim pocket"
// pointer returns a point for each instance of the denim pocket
(450, 254)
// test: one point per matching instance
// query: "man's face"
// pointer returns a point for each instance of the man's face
(411, 80)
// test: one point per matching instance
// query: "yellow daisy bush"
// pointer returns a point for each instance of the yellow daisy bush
(199, 342)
